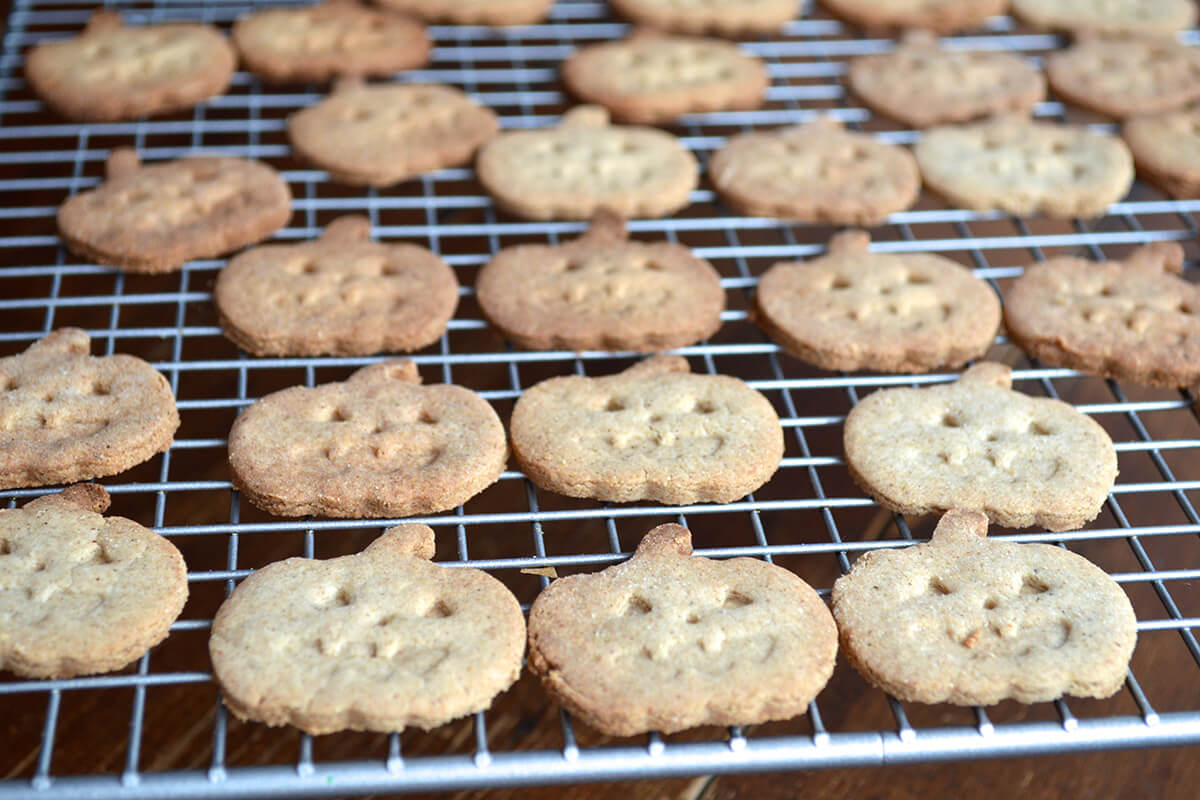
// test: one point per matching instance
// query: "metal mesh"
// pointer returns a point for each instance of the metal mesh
(809, 518)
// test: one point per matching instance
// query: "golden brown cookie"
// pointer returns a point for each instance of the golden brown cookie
(653, 78)
(341, 294)
(969, 620)
(1024, 168)
(652, 432)
(1166, 150)
(1122, 76)
(376, 445)
(81, 593)
(378, 641)
(941, 16)
(853, 309)
(977, 444)
(602, 291)
(114, 72)
(381, 134)
(155, 218)
(1161, 17)
(720, 17)
(474, 12)
(816, 172)
(585, 164)
(920, 84)
(66, 416)
(328, 40)
(668, 641)
(1134, 319)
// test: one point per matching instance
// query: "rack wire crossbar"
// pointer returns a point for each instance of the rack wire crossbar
(810, 517)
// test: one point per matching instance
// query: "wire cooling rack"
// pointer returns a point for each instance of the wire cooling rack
(158, 729)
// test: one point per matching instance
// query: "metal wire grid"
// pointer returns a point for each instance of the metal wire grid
(169, 320)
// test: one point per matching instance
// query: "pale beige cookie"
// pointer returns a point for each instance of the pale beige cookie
(66, 416)
(112, 72)
(941, 16)
(668, 641)
(652, 432)
(1134, 319)
(1025, 167)
(379, 641)
(341, 294)
(1108, 16)
(331, 39)
(920, 84)
(720, 17)
(816, 172)
(154, 218)
(602, 291)
(852, 309)
(381, 134)
(1126, 75)
(977, 444)
(81, 593)
(969, 620)
(585, 164)
(653, 78)
(474, 12)
(1166, 150)
(376, 445)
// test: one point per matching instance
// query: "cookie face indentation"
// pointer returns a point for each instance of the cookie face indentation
(81, 593)
(1022, 460)
(1030, 622)
(1125, 319)
(815, 172)
(154, 218)
(641, 434)
(668, 641)
(379, 135)
(337, 37)
(586, 164)
(651, 78)
(56, 426)
(1125, 76)
(731, 18)
(602, 291)
(377, 445)
(1025, 167)
(341, 294)
(387, 641)
(1155, 17)
(111, 72)
(853, 309)
(1164, 148)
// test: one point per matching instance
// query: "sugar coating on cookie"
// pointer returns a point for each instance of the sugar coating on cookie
(652, 432)
(586, 164)
(853, 309)
(378, 641)
(816, 172)
(81, 593)
(971, 620)
(113, 72)
(154, 218)
(977, 444)
(474, 12)
(1024, 167)
(721, 17)
(921, 84)
(602, 291)
(1122, 76)
(341, 294)
(1133, 319)
(1165, 149)
(668, 641)
(333, 38)
(381, 134)
(653, 78)
(1108, 16)
(66, 416)
(376, 445)
(942, 16)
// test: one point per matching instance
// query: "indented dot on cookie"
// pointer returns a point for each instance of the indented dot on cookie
(938, 587)
(735, 599)
(637, 605)
(438, 610)
(1032, 584)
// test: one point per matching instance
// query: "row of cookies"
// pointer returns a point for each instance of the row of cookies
(385, 640)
